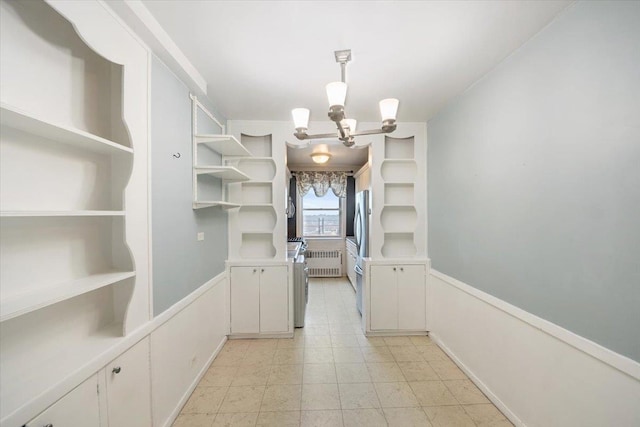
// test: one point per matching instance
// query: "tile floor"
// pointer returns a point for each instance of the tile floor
(330, 374)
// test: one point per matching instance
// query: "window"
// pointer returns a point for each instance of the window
(321, 216)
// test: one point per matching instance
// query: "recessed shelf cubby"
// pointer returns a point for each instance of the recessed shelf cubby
(398, 245)
(398, 194)
(257, 193)
(399, 148)
(398, 219)
(257, 218)
(398, 171)
(258, 146)
(257, 245)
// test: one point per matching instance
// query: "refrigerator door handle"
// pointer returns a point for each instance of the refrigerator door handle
(357, 228)
(358, 269)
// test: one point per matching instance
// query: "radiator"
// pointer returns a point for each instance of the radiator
(323, 263)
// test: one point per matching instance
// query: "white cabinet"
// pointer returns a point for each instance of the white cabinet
(128, 388)
(259, 299)
(79, 408)
(398, 297)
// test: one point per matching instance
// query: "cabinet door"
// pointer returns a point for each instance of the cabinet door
(411, 297)
(128, 388)
(274, 299)
(79, 408)
(351, 263)
(245, 300)
(384, 298)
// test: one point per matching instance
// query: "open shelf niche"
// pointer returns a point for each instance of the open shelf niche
(66, 160)
(254, 223)
(209, 154)
(399, 216)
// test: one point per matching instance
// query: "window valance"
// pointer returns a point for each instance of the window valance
(321, 182)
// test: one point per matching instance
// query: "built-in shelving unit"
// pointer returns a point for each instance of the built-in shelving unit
(398, 217)
(66, 165)
(254, 223)
(226, 146)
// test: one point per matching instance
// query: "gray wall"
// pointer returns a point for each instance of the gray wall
(534, 177)
(181, 264)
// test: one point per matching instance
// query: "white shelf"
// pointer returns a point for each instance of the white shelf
(227, 145)
(251, 158)
(398, 205)
(59, 213)
(43, 297)
(14, 118)
(398, 160)
(228, 173)
(208, 204)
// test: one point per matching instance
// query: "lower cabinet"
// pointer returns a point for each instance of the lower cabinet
(125, 400)
(128, 381)
(79, 408)
(352, 254)
(259, 299)
(398, 297)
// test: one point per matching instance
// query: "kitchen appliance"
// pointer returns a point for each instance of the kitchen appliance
(361, 232)
(296, 248)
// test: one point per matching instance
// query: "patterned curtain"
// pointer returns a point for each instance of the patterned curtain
(321, 182)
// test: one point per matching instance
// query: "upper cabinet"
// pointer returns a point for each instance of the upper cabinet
(73, 174)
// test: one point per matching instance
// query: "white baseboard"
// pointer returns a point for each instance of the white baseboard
(534, 371)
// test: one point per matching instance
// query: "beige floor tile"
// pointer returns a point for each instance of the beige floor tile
(319, 373)
(288, 356)
(364, 418)
(406, 417)
(352, 373)
(486, 415)
(385, 372)
(194, 420)
(258, 357)
(371, 341)
(347, 355)
(418, 371)
(406, 353)
(432, 393)
(219, 376)
(343, 329)
(296, 342)
(447, 370)
(448, 416)
(316, 341)
(204, 400)
(251, 375)
(227, 360)
(398, 341)
(432, 353)
(238, 343)
(328, 418)
(242, 399)
(279, 419)
(421, 340)
(263, 344)
(358, 396)
(316, 329)
(319, 355)
(466, 392)
(377, 354)
(282, 398)
(320, 396)
(344, 341)
(395, 395)
(239, 419)
(285, 374)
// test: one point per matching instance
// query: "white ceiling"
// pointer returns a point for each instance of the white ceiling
(263, 58)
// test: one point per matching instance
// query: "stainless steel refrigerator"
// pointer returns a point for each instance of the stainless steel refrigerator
(361, 232)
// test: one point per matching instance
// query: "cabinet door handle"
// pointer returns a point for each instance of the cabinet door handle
(255, 269)
(116, 370)
(262, 271)
(394, 269)
(401, 268)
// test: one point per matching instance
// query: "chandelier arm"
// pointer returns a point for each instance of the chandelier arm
(316, 136)
(371, 132)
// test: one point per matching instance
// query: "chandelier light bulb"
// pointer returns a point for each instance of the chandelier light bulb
(300, 118)
(389, 108)
(336, 93)
(352, 124)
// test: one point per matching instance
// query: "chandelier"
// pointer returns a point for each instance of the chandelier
(337, 93)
